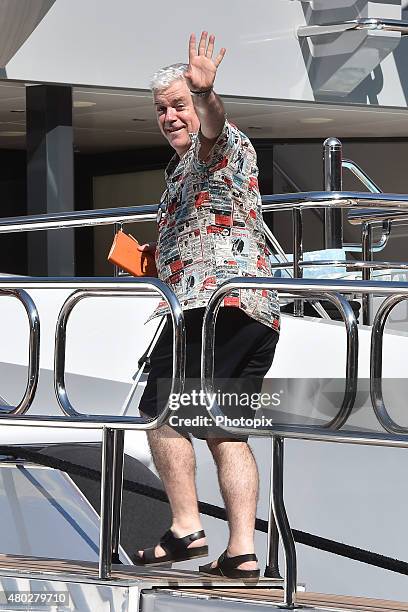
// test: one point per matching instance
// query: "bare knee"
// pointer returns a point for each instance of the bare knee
(221, 446)
(167, 437)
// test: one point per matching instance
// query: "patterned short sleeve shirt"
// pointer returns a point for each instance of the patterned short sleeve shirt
(210, 227)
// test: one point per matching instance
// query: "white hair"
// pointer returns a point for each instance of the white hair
(164, 77)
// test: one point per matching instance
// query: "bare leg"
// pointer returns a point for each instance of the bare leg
(238, 479)
(174, 458)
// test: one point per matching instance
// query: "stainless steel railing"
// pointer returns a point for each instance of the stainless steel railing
(388, 203)
(89, 287)
(329, 433)
(313, 289)
(292, 288)
(112, 429)
(362, 23)
(78, 218)
(109, 216)
(33, 353)
(377, 337)
(332, 184)
(112, 468)
(112, 426)
(367, 181)
(333, 166)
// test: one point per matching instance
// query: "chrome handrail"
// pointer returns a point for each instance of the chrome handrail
(333, 181)
(296, 289)
(270, 203)
(362, 176)
(304, 432)
(78, 218)
(333, 164)
(376, 352)
(333, 199)
(33, 353)
(112, 427)
(126, 286)
(376, 247)
(303, 287)
(376, 215)
(367, 181)
(296, 202)
(362, 23)
(341, 199)
(105, 286)
(346, 263)
(60, 345)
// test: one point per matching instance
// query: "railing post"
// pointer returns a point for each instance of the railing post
(367, 255)
(116, 228)
(285, 532)
(272, 562)
(118, 447)
(332, 181)
(105, 534)
(298, 305)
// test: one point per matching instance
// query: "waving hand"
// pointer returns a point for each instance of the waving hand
(202, 68)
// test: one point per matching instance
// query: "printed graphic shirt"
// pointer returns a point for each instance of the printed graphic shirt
(211, 228)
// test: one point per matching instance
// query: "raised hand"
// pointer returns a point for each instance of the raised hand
(202, 68)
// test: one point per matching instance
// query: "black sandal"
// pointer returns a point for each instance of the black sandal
(175, 549)
(228, 567)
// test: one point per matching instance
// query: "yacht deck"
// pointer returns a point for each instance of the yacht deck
(266, 593)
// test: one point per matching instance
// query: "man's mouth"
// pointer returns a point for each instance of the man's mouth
(170, 131)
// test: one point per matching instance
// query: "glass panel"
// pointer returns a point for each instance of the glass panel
(45, 515)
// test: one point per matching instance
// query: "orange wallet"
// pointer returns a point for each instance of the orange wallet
(125, 254)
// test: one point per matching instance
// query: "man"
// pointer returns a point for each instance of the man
(210, 229)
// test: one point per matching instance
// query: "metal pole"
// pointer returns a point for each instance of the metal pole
(285, 532)
(105, 533)
(298, 305)
(332, 181)
(367, 255)
(116, 228)
(272, 565)
(118, 444)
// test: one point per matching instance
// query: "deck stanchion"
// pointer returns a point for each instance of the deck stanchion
(118, 454)
(272, 562)
(298, 304)
(105, 534)
(116, 269)
(366, 243)
(285, 532)
(332, 181)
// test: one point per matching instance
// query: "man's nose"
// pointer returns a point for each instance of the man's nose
(171, 114)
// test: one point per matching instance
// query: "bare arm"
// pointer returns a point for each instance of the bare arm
(200, 78)
(210, 111)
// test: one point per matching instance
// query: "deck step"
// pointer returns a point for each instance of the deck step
(132, 588)
(238, 600)
(86, 592)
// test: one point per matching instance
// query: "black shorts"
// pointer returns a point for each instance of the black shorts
(244, 351)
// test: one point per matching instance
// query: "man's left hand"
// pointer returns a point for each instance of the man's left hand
(202, 69)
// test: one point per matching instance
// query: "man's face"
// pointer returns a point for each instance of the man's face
(176, 115)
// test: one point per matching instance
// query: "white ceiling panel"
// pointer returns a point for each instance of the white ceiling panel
(114, 120)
